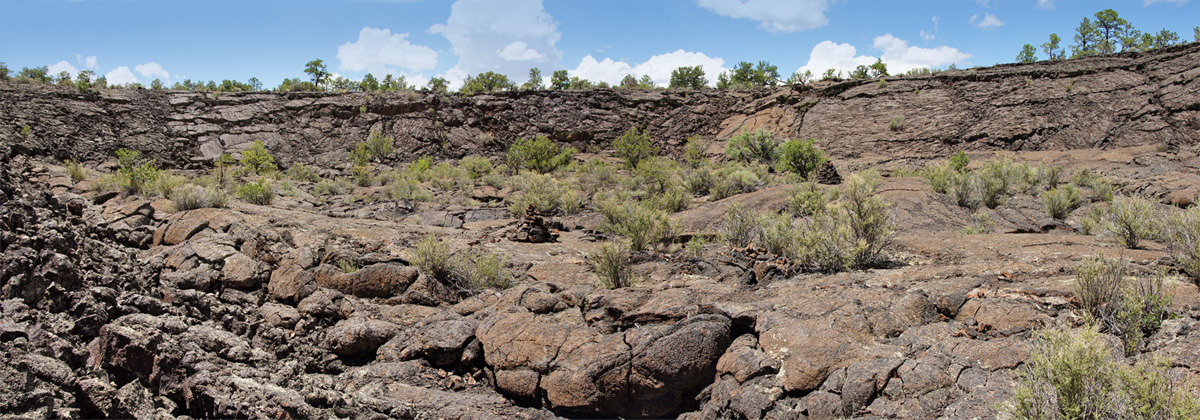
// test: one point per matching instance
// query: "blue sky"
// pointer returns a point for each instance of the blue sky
(601, 40)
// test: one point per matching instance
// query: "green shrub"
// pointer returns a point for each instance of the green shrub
(612, 266)
(1059, 202)
(1183, 240)
(695, 246)
(896, 124)
(432, 257)
(633, 146)
(980, 223)
(76, 171)
(1131, 308)
(1093, 222)
(379, 146)
(486, 270)
(994, 179)
(693, 152)
(405, 188)
(777, 234)
(347, 266)
(1084, 178)
(329, 188)
(673, 200)
(538, 154)
(938, 177)
(739, 226)
(1102, 190)
(302, 172)
(1133, 219)
(445, 177)
(965, 190)
(641, 224)
(257, 160)
(1071, 375)
(807, 199)
(164, 184)
(544, 191)
(699, 181)
(799, 157)
(421, 167)
(657, 174)
(748, 147)
(821, 242)
(191, 197)
(362, 175)
(256, 192)
(959, 161)
(134, 173)
(476, 166)
(738, 182)
(871, 228)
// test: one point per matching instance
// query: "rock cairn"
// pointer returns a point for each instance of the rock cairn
(534, 228)
(828, 174)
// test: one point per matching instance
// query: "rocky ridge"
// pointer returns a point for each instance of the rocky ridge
(115, 306)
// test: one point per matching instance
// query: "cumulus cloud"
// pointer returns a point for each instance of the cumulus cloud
(773, 15)
(927, 36)
(989, 21)
(454, 77)
(1045, 4)
(658, 67)
(152, 70)
(62, 66)
(896, 53)
(519, 51)
(87, 62)
(1150, 2)
(507, 37)
(901, 57)
(120, 76)
(376, 49)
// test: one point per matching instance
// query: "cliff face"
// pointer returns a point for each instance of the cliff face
(1120, 100)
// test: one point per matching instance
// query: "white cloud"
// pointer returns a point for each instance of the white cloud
(1150, 2)
(152, 70)
(519, 51)
(454, 77)
(831, 55)
(658, 67)
(61, 66)
(1045, 4)
(901, 57)
(481, 30)
(773, 15)
(378, 48)
(927, 36)
(120, 76)
(897, 54)
(989, 21)
(936, 22)
(87, 62)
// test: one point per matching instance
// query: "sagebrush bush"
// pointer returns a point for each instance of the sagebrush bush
(980, 223)
(1071, 375)
(164, 184)
(544, 191)
(1132, 220)
(693, 152)
(657, 174)
(1183, 239)
(612, 266)
(739, 226)
(673, 200)
(808, 199)
(965, 190)
(256, 192)
(642, 225)
(1127, 306)
(485, 270)
(938, 177)
(432, 256)
(257, 160)
(134, 173)
(191, 197)
(379, 146)
(76, 171)
(748, 147)
(538, 154)
(821, 243)
(302, 172)
(800, 157)
(695, 246)
(699, 181)
(896, 124)
(332, 187)
(1059, 202)
(408, 189)
(738, 182)
(866, 213)
(777, 234)
(476, 166)
(633, 146)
